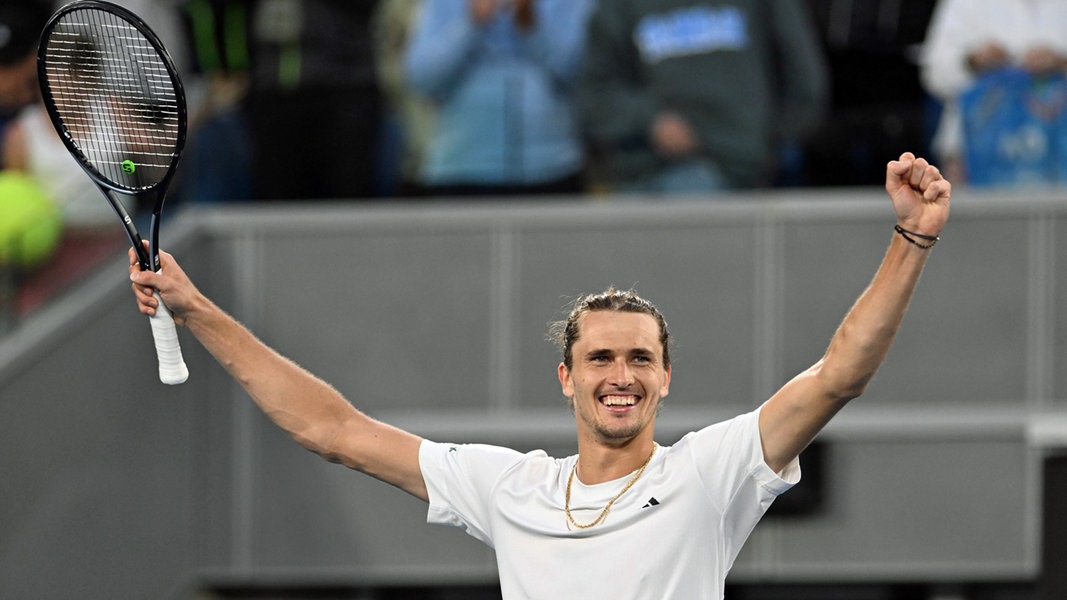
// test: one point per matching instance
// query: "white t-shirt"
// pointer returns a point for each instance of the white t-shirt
(673, 535)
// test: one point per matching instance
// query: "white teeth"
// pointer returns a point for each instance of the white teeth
(619, 400)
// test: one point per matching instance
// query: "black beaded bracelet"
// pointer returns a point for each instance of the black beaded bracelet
(908, 235)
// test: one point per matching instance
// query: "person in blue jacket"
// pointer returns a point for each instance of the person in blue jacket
(501, 74)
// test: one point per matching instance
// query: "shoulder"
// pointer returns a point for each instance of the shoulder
(737, 434)
(745, 422)
(479, 456)
(476, 470)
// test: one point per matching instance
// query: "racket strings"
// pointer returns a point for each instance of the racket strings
(115, 97)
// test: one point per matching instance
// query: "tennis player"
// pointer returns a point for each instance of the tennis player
(625, 517)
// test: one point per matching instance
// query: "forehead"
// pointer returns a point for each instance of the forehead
(613, 329)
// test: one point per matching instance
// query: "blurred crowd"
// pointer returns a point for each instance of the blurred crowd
(368, 100)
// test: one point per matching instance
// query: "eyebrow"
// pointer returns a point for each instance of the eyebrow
(639, 351)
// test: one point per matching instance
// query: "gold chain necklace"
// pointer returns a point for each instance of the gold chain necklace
(607, 509)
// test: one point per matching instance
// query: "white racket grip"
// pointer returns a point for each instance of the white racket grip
(172, 369)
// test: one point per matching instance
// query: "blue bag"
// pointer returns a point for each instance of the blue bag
(1015, 129)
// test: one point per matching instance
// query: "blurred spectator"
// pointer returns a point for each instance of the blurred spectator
(91, 232)
(31, 148)
(409, 119)
(20, 27)
(314, 105)
(163, 17)
(878, 105)
(978, 43)
(501, 73)
(683, 96)
(29, 225)
(217, 164)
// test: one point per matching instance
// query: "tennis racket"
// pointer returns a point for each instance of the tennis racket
(117, 102)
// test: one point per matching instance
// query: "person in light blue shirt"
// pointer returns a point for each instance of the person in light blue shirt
(501, 74)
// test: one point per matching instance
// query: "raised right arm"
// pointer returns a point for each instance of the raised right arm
(314, 413)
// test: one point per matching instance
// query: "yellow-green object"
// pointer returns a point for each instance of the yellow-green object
(30, 222)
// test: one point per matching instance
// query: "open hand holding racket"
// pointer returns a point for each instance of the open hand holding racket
(115, 98)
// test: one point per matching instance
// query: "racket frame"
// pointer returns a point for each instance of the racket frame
(157, 192)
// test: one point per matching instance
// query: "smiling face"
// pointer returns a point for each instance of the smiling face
(617, 377)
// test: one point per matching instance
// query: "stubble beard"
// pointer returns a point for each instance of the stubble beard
(612, 435)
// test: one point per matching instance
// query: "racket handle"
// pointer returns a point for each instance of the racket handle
(172, 369)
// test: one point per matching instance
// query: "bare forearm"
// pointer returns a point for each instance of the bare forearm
(306, 407)
(313, 412)
(864, 337)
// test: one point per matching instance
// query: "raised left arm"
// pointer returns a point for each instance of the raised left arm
(795, 414)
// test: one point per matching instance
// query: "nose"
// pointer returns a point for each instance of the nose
(621, 376)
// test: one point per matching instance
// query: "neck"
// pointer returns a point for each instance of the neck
(599, 462)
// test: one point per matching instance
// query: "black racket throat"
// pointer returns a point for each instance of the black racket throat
(147, 259)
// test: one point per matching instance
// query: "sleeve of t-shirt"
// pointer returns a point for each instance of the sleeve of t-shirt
(459, 481)
(729, 459)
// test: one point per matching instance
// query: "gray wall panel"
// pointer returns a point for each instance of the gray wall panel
(312, 515)
(396, 319)
(900, 508)
(96, 468)
(1058, 311)
(826, 266)
(972, 302)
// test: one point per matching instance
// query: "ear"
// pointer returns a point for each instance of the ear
(666, 387)
(566, 383)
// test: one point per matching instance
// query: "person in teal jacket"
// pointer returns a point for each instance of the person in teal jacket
(700, 95)
(501, 74)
